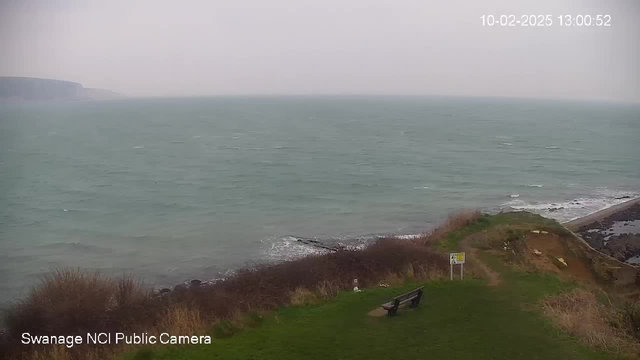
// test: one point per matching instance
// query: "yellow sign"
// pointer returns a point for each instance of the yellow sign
(456, 258)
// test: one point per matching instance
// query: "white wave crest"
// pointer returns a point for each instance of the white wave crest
(409, 237)
(567, 210)
(289, 248)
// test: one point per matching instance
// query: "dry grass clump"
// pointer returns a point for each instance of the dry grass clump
(73, 302)
(581, 314)
(302, 296)
(181, 320)
(327, 290)
(631, 311)
(455, 221)
(60, 352)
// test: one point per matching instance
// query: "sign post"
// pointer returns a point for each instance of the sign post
(454, 259)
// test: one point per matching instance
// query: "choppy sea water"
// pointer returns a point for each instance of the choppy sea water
(176, 189)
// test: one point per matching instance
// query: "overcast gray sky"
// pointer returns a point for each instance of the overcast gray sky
(213, 47)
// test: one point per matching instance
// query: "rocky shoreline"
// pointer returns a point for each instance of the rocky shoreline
(617, 234)
(197, 284)
(614, 231)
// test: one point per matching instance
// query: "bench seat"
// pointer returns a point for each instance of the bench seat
(413, 297)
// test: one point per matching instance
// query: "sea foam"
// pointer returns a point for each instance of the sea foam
(570, 209)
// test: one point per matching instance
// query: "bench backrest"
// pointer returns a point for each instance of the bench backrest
(411, 293)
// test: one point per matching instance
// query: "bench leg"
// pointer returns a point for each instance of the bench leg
(394, 310)
(415, 302)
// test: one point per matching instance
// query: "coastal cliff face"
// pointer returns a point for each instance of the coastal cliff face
(34, 89)
(617, 235)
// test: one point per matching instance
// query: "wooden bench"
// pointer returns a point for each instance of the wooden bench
(413, 296)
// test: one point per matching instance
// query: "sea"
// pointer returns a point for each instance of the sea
(174, 189)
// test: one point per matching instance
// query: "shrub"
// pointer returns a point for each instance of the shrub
(271, 286)
(302, 296)
(580, 314)
(181, 320)
(73, 302)
(631, 312)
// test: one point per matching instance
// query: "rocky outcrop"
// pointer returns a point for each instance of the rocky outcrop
(614, 234)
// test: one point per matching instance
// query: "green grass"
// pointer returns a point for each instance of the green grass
(526, 287)
(456, 320)
(520, 218)
(527, 220)
(459, 320)
(450, 243)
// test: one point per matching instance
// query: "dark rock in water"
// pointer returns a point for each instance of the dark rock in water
(623, 197)
(623, 246)
(617, 244)
(195, 283)
(180, 288)
(556, 209)
(318, 244)
(165, 290)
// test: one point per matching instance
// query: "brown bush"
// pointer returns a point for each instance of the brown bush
(580, 314)
(181, 320)
(73, 302)
(302, 296)
(631, 313)
(271, 286)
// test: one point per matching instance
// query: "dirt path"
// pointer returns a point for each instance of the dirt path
(472, 258)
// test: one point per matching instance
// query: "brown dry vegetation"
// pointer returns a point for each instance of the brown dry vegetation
(612, 324)
(599, 325)
(72, 302)
(455, 221)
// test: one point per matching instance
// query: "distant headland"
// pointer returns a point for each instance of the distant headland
(34, 89)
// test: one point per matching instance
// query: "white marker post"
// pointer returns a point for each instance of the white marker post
(457, 258)
(451, 260)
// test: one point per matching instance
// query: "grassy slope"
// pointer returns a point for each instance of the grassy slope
(460, 320)
(523, 219)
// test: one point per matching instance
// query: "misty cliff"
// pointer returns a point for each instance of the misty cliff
(34, 89)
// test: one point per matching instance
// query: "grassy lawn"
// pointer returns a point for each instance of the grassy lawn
(458, 320)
